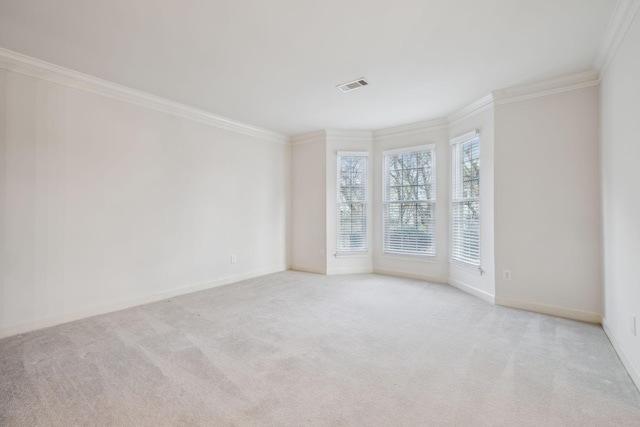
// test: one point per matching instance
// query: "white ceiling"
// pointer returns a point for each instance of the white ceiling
(275, 63)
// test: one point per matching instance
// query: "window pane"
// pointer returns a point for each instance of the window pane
(471, 169)
(352, 227)
(410, 228)
(465, 221)
(466, 232)
(409, 208)
(351, 221)
(410, 177)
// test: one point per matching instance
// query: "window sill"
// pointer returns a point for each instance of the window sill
(409, 257)
(352, 255)
(471, 268)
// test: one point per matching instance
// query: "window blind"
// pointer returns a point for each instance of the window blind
(409, 199)
(351, 215)
(465, 209)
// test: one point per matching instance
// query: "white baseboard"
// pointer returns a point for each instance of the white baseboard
(632, 369)
(353, 270)
(396, 273)
(567, 313)
(21, 328)
(473, 291)
(305, 269)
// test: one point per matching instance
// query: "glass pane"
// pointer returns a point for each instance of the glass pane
(351, 198)
(471, 169)
(409, 177)
(352, 227)
(466, 232)
(410, 228)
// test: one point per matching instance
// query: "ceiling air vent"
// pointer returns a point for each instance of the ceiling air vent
(356, 84)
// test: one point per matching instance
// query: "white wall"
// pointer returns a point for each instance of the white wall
(346, 141)
(432, 269)
(547, 204)
(105, 204)
(620, 150)
(308, 204)
(463, 277)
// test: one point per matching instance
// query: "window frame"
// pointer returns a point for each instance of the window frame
(409, 255)
(365, 204)
(454, 143)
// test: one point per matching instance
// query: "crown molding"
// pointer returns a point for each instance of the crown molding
(473, 108)
(324, 135)
(437, 124)
(16, 62)
(411, 128)
(546, 87)
(368, 136)
(619, 23)
(307, 138)
(503, 96)
(350, 135)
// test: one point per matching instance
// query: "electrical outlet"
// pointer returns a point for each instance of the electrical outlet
(234, 259)
(633, 325)
(506, 274)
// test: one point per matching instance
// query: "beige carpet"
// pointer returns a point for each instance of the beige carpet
(297, 349)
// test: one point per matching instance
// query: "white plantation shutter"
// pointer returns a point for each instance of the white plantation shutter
(351, 203)
(409, 198)
(465, 209)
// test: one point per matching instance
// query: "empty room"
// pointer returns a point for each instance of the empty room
(319, 213)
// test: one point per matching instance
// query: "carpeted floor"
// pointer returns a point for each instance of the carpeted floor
(297, 349)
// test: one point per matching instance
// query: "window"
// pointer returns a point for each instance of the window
(465, 209)
(409, 201)
(352, 203)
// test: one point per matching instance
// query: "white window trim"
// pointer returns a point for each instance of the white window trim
(477, 268)
(363, 253)
(352, 254)
(352, 154)
(424, 147)
(428, 259)
(465, 137)
(401, 255)
(471, 268)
